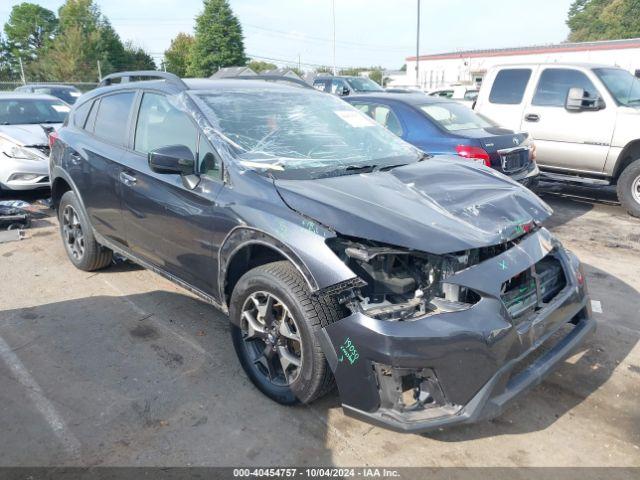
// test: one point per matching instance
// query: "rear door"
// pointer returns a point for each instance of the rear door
(94, 162)
(167, 223)
(568, 140)
(504, 103)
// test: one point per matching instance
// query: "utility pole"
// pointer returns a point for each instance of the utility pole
(99, 72)
(335, 70)
(24, 80)
(418, 49)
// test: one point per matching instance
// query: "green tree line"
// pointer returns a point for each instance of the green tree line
(604, 20)
(68, 46)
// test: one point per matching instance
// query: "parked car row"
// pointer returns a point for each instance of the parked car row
(419, 284)
(585, 120)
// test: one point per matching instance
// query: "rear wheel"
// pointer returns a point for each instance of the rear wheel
(275, 340)
(629, 188)
(77, 237)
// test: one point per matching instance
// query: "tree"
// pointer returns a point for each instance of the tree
(6, 67)
(603, 20)
(218, 40)
(71, 57)
(176, 58)
(259, 66)
(29, 29)
(136, 58)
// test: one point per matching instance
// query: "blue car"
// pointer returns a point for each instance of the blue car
(440, 126)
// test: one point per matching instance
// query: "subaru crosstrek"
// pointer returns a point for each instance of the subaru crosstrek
(426, 288)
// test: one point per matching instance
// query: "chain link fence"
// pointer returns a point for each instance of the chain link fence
(82, 86)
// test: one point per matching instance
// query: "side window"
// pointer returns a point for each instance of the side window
(555, 83)
(113, 115)
(208, 160)
(160, 124)
(320, 85)
(383, 115)
(91, 119)
(81, 113)
(386, 117)
(509, 86)
(338, 85)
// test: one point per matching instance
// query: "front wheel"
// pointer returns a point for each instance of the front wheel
(629, 188)
(273, 331)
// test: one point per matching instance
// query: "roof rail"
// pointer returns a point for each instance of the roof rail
(126, 77)
(271, 78)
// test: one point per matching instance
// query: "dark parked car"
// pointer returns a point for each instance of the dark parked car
(438, 126)
(66, 93)
(426, 287)
(346, 85)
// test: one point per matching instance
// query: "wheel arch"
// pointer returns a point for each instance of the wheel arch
(246, 248)
(630, 153)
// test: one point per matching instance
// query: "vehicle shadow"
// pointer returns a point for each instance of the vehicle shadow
(578, 377)
(145, 379)
(573, 201)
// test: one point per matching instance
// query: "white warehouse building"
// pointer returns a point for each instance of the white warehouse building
(469, 67)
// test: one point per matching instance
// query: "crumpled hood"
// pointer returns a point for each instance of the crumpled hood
(27, 135)
(441, 205)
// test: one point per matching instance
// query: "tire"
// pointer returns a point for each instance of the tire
(629, 188)
(77, 236)
(289, 292)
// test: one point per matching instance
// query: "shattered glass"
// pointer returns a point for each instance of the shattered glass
(295, 134)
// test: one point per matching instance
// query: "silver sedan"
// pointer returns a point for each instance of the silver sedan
(26, 120)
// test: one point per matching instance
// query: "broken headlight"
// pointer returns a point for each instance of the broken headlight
(404, 284)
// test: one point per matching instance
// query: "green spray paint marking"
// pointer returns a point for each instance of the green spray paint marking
(502, 264)
(349, 352)
(311, 226)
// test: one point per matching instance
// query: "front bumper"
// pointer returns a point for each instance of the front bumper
(480, 357)
(17, 174)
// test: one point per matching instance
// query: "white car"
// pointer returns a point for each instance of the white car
(459, 93)
(26, 120)
(585, 119)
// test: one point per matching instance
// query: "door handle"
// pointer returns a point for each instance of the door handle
(532, 117)
(128, 180)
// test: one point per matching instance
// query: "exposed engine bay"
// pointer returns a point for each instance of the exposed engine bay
(403, 284)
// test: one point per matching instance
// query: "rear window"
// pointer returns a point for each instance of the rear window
(509, 86)
(454, 117)
(113, 116)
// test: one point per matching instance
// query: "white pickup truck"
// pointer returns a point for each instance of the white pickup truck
(585, 120)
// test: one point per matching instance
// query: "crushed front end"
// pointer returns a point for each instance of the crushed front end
(437, 340)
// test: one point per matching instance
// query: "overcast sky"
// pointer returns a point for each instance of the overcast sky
(368, 32)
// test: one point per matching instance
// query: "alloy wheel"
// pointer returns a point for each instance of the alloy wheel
(635, 189)
(272, 338)
(72, 232)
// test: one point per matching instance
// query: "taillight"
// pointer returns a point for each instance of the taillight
(53, 136)
(476, 154)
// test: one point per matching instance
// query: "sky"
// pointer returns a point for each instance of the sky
(368, 32)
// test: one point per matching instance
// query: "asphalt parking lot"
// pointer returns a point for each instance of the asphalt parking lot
(121, 367)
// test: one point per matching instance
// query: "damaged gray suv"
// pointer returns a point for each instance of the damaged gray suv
(427, 289)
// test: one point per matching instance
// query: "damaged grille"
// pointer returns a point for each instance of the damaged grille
(532, 289)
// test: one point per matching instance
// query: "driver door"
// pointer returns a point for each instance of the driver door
(568, 140)
(168, 224)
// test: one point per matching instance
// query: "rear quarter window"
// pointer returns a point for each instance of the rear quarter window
(509, 86)
(81, 113)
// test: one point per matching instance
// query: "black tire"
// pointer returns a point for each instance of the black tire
(629, 188)
(281, 279)
(92, 256)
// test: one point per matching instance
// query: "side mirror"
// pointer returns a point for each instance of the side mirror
(345, 91)
(176, 159)
(579, 100)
